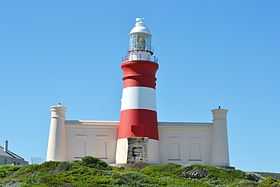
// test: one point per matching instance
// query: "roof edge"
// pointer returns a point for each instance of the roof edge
(161, 123)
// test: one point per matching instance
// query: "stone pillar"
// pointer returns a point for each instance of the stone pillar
(57, 135)
(220, 153)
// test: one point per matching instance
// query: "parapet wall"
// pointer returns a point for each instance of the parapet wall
(180, 142)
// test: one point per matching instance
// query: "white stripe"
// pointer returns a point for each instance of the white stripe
(121, 151)
(138, 98)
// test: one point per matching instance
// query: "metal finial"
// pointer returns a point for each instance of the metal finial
(139, 20)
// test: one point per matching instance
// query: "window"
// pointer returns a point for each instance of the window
(195, 152)
(174, 151)
(80, 147)
(101, 150)
(140, 41)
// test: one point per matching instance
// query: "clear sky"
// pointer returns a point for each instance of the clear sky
(211, 53)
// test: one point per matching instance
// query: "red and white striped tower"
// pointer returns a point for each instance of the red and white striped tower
(138, 117)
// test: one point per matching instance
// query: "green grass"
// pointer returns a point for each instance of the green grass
(91, 172)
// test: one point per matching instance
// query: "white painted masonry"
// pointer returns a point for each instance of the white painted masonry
(57, 134)
(220, 154)
(138, 98)
(95, 138)
(121, 156)
(153, 151)
(185, 143)
(180, 142)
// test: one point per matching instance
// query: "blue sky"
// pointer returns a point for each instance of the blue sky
(211, 53)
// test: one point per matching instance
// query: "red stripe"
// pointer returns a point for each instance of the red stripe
(139, 73)
(138, 123)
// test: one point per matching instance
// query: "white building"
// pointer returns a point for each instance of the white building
(139, 136)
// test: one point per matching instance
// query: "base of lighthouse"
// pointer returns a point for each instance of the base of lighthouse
(180, 142)
(137, 149)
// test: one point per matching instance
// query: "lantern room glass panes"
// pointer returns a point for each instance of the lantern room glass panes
(140, 41)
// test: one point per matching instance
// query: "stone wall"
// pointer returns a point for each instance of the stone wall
(137, 150)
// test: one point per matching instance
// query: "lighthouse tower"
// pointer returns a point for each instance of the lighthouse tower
(138, 139)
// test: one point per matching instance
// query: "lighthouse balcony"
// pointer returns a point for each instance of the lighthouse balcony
(141, 56)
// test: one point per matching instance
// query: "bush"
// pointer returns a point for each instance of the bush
(162, 170)
(137, 165)
(93, 172)
(47, 166)
(7, 170)
(95, 163)
(133, 179)
(270, 182)
(63, 166)
(244, 183)
(52, 181)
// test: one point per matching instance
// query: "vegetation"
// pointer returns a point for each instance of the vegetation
(91, 172)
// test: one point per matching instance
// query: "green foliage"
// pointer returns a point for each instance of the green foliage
(162, 170)
(270, 182)
(91, 172)
(219, 176)
(244, 183)
(133, 179)
(7, 170)
(94, 163)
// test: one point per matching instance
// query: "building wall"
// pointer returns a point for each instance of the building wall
(181, 143)
(10, 160)
(185, 143)
(97, 139)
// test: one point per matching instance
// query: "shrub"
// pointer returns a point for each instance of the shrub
(133, 179)
(162, 170)
(244, 183)
(218, 175)
(7, 170)
(47, 166)
(137, 165)
(63, 166)
(26, 171)
(91, 172)
(52, 181)
(270, 182)
(94, 163)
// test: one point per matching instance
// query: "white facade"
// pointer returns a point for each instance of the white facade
(180, 142)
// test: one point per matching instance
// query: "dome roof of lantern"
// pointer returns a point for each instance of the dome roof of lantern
(140, 27)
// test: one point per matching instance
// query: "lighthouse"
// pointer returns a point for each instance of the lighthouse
(138, 137)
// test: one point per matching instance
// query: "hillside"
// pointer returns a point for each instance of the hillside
(93, 172)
